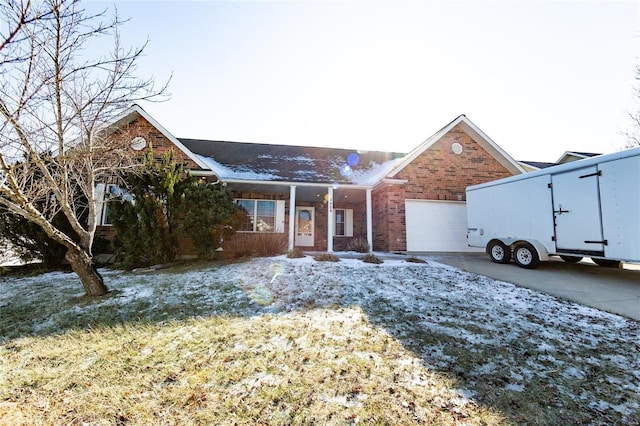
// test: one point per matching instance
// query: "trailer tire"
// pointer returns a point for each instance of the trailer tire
(499, 252)
(607, 263)
(526, 256)
(571, 259)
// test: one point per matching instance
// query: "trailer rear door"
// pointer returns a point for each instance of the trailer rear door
(576, 210)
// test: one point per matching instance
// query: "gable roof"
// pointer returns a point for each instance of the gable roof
(241, 161)
(569, 156)
(265, 163)
(476, 134)
(136, 111)
(537, 164)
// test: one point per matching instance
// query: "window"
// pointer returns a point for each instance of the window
(104, 216)
(343, 221)
(340, 217)
(262, 215)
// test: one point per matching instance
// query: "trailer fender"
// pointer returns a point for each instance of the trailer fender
(543, 254)
(511, 242)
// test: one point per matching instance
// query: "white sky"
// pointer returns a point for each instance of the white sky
(539, 77)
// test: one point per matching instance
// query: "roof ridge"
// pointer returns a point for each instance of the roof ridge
(290, 146)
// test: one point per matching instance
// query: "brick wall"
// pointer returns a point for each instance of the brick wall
(359, 224)
(141, 127)
(389, 225)
(436, 174)
(440, 174)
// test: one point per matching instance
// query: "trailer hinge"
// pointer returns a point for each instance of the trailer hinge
(553, 238)
(598, 173)
(549, 185)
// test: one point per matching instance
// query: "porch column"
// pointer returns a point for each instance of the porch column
(369, 220)
(292, 215)
(330, 220)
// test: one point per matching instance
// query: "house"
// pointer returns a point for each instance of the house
(532, 166)
(323, 198)
(570, 156)
(567, 157)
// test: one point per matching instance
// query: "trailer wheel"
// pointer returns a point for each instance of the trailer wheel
(607, 263)
(526, 256)
(570, 259)
(499, 252)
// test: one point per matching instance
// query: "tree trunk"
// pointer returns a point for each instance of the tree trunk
(82, 264)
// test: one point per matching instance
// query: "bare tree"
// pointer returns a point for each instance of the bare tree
(56, 100)
(633, 136)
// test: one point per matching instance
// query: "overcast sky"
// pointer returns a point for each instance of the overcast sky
(539, 77)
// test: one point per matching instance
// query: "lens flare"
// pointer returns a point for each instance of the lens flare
(345, 170)
(276, 269)
(262, 295)
(353, 159)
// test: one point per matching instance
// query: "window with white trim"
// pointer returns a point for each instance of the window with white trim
(112, 191)
(262, 215)
(343, 222)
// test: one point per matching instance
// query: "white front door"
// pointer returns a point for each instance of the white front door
(305, 224)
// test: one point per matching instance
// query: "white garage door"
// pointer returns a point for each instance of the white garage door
(436, 226)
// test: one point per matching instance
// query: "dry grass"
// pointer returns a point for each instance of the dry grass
(296, 253)
(372, 258)
(326, 257)
(279, 341)
(325, 366)
(361, 245)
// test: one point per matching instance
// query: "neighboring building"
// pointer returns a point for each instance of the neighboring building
(532, 166)
(567, 157)
(570, 156)
(323, 198)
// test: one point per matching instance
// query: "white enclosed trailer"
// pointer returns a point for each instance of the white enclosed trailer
(589, 207)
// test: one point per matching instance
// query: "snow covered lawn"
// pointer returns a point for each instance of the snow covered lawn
(529, 357)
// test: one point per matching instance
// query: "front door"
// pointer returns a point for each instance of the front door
(576, 211)
(305, 218)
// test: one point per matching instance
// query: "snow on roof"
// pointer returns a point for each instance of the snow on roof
(375, 173)
(227, 173)
(284, 163)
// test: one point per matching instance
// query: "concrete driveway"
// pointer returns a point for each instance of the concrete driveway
(608, 289)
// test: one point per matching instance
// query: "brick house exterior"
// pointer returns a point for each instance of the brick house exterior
(375, 200)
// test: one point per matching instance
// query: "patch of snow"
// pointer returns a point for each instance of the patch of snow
(305, 173)
(514, 387)
(374, 173)
(446, 315)
(466, 393)
(227, 173)
(9, 258)
(300, 159)
(258, 380)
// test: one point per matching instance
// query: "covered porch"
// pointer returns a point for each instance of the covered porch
(314, 216)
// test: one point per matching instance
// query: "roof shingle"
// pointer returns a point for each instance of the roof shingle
(289, 163)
